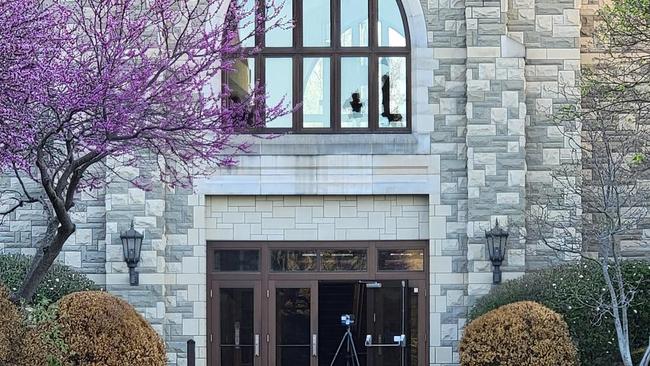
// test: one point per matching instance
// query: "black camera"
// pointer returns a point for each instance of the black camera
(347, 320)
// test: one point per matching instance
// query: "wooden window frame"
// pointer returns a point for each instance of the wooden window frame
(297, 52)
(265, 247)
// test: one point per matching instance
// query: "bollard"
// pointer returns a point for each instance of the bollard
(191, 353)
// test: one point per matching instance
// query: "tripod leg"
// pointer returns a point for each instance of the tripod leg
(354, 349)
(338, 350)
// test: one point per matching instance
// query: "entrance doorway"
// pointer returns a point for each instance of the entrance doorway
(282, 303)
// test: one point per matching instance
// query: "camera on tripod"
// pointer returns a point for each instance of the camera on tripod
(347, 320)
(350, 351)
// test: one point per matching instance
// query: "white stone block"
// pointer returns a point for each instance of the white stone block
(440, 264)
(136, 196)
(516, 178)
(551, 157)
(476, 252)
(476, 178)
(154, 207)
(479, 289)
(73, 259)
(191, 327)
(444, 355)
(483, 52)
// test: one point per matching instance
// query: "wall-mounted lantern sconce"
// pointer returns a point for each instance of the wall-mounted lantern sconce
(132, 246)
(497, 239)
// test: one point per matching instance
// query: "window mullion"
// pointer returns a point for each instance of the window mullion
(373, 94)
(297, 64)
(297, 91)
(372, 31)
(335, 16)
(297, 30)
(335, 93)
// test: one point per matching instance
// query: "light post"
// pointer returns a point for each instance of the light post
(132, 246)
(497, 240)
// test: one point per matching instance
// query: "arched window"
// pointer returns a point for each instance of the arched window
(345, 61)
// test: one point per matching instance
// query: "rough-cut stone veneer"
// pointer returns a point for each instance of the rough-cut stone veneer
(551, 31)
(85, 251)
(486, 75)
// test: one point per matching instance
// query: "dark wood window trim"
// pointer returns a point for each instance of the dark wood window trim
(371, 272)
(335, 52)
(265, 281)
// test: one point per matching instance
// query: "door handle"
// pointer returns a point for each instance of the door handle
(237, 330)
(400, 341)
(314, 345)
(257, 345)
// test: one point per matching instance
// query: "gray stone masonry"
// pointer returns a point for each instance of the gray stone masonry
(486, 76)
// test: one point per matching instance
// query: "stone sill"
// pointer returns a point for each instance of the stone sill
(340, 144)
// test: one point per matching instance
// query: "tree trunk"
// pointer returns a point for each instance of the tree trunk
(621, 333)
(48, 251)
(645, 361)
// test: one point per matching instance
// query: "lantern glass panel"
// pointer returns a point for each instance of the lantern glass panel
(137, 245)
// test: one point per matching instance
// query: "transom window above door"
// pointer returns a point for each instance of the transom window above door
(345, 62)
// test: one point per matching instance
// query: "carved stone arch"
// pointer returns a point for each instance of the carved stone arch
(422, 57)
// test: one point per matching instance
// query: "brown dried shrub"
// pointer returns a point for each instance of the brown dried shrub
(518, 334)
(38, 350)
(100, 329)
(11, 328)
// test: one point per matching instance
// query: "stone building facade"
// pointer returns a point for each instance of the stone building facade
(485, 76)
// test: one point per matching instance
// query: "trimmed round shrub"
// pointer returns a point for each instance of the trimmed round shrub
(10, 328)
(564, 289)
(101, 329)
(59, 281)
(519, 334)
(42, 345)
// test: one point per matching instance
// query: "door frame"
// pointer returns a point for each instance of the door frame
(264, 277)
(313, 317)
(214, 344)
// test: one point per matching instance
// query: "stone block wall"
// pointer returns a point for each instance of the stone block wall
(311, 218)
(85, 251)
(552, 38)
(487, 75)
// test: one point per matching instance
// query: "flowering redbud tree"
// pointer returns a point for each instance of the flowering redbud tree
(84, 82)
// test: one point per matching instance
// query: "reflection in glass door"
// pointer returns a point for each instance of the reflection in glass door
(238, 338)
(293, 313)
(387, 337)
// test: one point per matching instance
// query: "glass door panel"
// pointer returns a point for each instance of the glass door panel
(238, 333)
(293, 320)
(386, 340)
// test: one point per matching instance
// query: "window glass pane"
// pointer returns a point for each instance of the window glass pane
(293, 326)
(344, 260)
(236, 260)
(401, 260)
(241, 81)
(390, 28)
(392, 92)
(237, 310)
(354, 23)
(316, 93)
(316, 23)
(293, 260)
(279, 88)
(354, 92)
(246, 26)
(281, 36)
